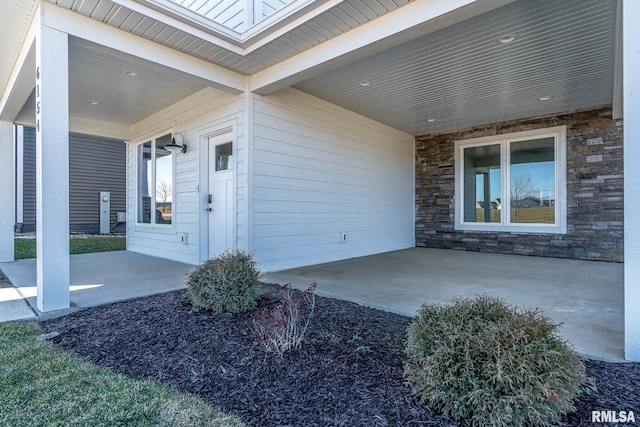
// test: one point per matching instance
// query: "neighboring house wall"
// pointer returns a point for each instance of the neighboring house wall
(320, 170)
(594, 191)
(195, 117)
(95, 164)
(29, 180)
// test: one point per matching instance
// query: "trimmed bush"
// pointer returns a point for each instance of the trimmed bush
(227, 283)
(483, 361)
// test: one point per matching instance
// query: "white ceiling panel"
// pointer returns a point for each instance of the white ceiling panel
(463, 76)
(99, 89)
(96, 74)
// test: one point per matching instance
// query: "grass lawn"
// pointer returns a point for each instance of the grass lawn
(26, 248)
(42, 385)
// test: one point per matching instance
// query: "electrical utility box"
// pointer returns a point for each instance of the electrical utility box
(105, 212)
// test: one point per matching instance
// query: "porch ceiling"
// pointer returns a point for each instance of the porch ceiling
(460, 75)
(463, 75)
(103, 88)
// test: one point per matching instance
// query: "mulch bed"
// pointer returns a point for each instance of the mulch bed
(349, 374)
(4, 281)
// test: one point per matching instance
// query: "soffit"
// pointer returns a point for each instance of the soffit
(14, 20)
(101, 86)
(227, 48)
(462, 76)
(459, 75)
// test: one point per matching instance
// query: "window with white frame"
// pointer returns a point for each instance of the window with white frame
(512, 182)
(155, 173)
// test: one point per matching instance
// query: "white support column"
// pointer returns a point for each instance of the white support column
(631, 79)
(52, 169)
(19, 156)
(7, 193)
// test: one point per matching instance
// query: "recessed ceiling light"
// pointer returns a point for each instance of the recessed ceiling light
(93, 102)
(431, 120)
(365, 83)
(130, 73)
(545, 98)
(507, 38)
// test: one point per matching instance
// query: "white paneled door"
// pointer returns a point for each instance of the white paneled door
(221, 195)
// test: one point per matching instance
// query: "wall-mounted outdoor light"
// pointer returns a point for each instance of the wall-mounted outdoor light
(175, 147)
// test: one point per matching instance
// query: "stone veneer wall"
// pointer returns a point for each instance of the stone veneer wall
(594, 191)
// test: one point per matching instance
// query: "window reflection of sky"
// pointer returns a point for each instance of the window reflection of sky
(163, 173)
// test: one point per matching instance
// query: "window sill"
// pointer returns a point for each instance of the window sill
(525, 229)
(155, 228)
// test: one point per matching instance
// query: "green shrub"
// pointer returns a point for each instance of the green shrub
(227, 283)
(483, 361)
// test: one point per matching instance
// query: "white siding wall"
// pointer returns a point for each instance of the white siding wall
(320, 170)
(200, 114)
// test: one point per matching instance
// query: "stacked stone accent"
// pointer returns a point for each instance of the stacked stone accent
(595, 212)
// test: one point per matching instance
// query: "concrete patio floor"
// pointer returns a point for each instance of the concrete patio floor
(586, 297)
(100, 278)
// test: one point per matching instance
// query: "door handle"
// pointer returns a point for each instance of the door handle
(209, 210)
(210, 199)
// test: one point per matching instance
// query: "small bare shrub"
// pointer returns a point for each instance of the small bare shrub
(227, 283)
(283, 327)
(493, 365)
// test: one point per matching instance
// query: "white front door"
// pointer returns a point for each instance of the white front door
(221, 221)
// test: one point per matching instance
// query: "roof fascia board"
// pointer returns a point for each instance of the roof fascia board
(284, 20)
(186, 20)
(332, 53)
(105, 35)
(22, 80)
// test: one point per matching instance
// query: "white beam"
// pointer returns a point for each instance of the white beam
(52, 169)
(86, 126)
(631, 65)
(7, 193)
(99, 128)
(85, 28)
(384, 32)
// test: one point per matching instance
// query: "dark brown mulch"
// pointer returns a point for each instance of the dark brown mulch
(4, 281)
(349, 374)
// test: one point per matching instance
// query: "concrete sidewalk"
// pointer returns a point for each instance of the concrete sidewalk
(13, 306)
(96, 279)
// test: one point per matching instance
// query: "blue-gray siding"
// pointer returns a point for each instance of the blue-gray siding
(95, 164)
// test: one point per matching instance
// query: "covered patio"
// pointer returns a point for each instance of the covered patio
(585, 296)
